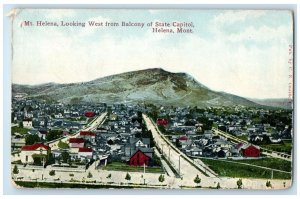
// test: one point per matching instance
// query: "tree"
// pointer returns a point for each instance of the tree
(31, 139)
(109, 176)
(54, 134)
(161, 178)
(50, 159)
(65, 157)
(197, 180)
(218, 186)
(21, 124)
(62, 145)
(268, 184)
(239, 183)
(13, 117)
(52, 173)
(89, 175)
(127, 177)
(15, 170)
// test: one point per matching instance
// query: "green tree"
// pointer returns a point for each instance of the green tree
(54, 134)
(31, 139)
(21, 124)
(52, 173)
(218, 186)
(13, 117)
(50, 159)
(65, 157)
(161, 178)
(15, 170)
(128, 177)
(239, 183)
(62, 145)
(89, 175)
(197, 180)
(268, 184)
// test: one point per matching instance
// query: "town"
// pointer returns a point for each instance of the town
(143, 145)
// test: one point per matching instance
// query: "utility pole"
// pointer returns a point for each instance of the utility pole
(272, 174)
(179, 165)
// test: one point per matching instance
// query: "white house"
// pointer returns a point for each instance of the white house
(27, 123)
(85, 152)
(28, 150)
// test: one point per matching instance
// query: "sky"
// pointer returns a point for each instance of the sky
(242, 52)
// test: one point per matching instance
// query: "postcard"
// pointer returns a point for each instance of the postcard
(152, 98)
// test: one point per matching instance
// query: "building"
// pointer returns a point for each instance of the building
(85, 152)
(89, 114)
(88, 135)
(36, 149)
(76, 142)
(139, 158)
(249, 150)
(27, 123)
(162, 121)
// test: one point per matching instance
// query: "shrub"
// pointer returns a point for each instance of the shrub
(15, 170)
(197, 180)
(127, 177)
(52, 173)
(268, 184)
(161, 178)
(239, 183)
(89, 175)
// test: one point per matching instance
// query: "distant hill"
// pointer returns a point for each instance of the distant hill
(278, 102)
(151, 85)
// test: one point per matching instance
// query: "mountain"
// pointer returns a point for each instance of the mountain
(277, 102)
(151, 85)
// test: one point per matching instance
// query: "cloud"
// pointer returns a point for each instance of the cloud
(58, 14)
(234, 16)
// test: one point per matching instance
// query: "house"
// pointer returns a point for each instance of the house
(42, 133)
(140, 142)
(249, 150)
(135, 143)
(162, 121)
(85, 152)
(113, 117)
(17, 143)
(183, 139)
(223, 153)
(139, 158)
(193, 151)
(88, 135)
(89, 114)
(36, 149)
(76, 142)
(27, 123)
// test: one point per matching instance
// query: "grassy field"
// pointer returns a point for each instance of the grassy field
(71, 185)
(231, 169)
(273, 163)
(119, 166)
(20, 130)
(285, 147)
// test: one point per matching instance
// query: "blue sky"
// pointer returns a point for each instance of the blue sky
(239, 52)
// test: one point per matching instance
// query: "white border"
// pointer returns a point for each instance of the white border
(156, 4)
